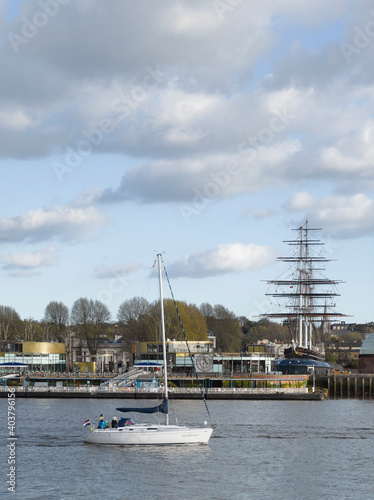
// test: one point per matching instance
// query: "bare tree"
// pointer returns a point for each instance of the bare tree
(56, 315)
(10, 323)
(90, 317)
(56, 318)
(136, 318)
(30, 330)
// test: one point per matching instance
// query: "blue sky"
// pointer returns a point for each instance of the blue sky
(207, 131)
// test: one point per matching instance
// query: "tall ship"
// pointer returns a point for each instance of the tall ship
(303, 297)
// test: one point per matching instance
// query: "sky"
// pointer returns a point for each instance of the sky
(206, 131)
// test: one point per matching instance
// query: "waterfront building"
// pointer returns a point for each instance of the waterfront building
(339, 329)
(366, 356)
(177, 352)
(345, 352)
(206, 360)
(38, 356)
(111, 356)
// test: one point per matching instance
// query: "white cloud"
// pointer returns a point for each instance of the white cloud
(301, 201)
(45, 257)
(226, 258)
(16, 120)
(214, 176)
(87, 198)
(345, 216)
(352, 154)
(67, 223)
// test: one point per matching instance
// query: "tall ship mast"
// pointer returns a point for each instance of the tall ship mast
(305, 298)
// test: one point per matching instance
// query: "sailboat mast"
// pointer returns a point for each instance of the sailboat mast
(307, 289)
(301, 289)
(163, 331)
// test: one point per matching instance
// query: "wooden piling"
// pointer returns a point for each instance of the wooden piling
(370, 379)
(363, 387)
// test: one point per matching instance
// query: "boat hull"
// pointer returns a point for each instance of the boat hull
(144, 435)
(301, 352)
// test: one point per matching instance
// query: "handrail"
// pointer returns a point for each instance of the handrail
(160, 390)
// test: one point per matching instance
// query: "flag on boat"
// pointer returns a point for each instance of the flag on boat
(86, 422)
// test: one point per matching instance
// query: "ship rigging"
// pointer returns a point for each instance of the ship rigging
(306, 297)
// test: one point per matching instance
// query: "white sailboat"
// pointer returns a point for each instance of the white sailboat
(129, 433)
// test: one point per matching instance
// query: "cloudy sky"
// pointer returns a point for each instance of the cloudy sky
(205, 130)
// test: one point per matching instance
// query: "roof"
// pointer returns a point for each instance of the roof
(13, 364)
(300, 361)
(368, 345)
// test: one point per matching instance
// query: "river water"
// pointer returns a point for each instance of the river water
(260, 450)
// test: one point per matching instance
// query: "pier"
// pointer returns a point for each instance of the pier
(256, 387)
(223, 394)
(352, 385)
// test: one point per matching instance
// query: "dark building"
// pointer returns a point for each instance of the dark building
(366, 357)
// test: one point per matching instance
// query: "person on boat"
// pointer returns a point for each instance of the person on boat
(102, 423)
(114, 422)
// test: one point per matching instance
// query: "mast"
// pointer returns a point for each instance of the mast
(301, 289)
(304, 295)
(163, 332)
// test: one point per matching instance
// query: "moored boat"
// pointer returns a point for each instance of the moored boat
(305, 298)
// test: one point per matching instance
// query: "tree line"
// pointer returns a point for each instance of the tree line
(138, 320)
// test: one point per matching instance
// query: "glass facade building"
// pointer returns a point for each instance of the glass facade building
(39, 356)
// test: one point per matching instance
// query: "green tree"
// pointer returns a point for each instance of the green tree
(365, 328)
(193, 321)
(352, 337)
(265, 329)
(255, 334)
(330, 357)
(246, 324)
(225, 326)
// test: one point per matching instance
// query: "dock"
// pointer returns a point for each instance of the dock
(253, 387)
(179, 394)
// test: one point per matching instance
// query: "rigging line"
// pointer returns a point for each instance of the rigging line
(147, 286)
(188, 346)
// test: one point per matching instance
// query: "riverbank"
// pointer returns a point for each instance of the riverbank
(253, 387)
(236, 394)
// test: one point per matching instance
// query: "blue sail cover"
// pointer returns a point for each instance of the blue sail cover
(162, 408)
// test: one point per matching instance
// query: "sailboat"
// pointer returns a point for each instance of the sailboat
(128, 433)
(305, 296)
